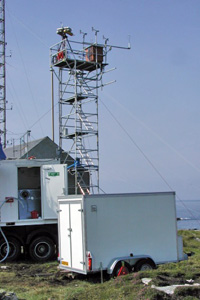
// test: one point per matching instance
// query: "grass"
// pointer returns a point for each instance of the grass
(45, 282)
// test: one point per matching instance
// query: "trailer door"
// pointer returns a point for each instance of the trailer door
(54, 184)
(71, 232)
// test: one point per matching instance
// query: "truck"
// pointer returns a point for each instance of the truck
(28, 207)
(117, 233)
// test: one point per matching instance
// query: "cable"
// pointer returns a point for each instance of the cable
(27, 28)
(140, 150)
(153, 132)
(42, 116)
(7, 244)
(25, 72)
(20, 110)
(102, 190)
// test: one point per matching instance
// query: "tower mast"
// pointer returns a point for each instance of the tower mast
(79, 68)
(2, 74)
(79, 71)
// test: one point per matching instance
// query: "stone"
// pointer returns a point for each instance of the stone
(7, 295)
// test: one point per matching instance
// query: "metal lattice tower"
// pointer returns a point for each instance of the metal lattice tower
(79, 72)
(2, 74)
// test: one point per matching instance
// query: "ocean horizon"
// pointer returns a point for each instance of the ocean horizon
(188, 214)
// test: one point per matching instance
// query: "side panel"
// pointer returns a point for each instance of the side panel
(53, 184)
(142, 224)
(8, 188)
(71, 236)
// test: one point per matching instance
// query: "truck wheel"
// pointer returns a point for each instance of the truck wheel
(121, 269)
(42, 249)
(145, 265)
(14, 249)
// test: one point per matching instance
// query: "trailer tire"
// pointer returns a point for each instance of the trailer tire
(14, 251)
(144, 265)
(42, 249)
(120, 270)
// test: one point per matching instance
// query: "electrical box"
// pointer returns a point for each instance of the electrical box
(94, 54)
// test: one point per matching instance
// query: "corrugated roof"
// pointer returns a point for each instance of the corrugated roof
(17, 151)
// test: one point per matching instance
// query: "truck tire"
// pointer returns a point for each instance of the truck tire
(14, 251)
(144, 265)
(120, 270)
(42, 249)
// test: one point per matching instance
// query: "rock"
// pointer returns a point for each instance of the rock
(5, 267)
(7, 295)
(146, 280)
(171, 288)
(190, 280)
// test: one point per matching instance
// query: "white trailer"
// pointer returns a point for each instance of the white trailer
(28, 206)
(117, 233)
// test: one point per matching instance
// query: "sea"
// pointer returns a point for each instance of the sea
(188, 214)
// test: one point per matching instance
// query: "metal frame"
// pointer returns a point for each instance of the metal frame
(79, 71)
(2, 74)
(79, 79)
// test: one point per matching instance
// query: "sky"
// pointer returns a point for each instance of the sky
(150, 140)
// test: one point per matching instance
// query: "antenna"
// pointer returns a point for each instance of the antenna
(64, 31)
(106, 40)
(96, 31)
(84, 34)
(24, 143)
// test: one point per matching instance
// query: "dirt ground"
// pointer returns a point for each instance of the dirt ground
(25, 272)
(46, 272)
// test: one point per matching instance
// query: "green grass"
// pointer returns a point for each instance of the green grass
(45, 282)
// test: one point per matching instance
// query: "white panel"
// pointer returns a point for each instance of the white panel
(54, 184)
(137, 223)
(76, 236)
(8, 180)
(64, 234)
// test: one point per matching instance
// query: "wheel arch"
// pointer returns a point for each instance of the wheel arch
(15, 236)
(38, 233)
(144, 260)
(130, 260)
(113, 263)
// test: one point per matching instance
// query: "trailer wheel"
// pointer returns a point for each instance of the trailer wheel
(145, 265)
(14, 249)
(121, 269)
(42, 249)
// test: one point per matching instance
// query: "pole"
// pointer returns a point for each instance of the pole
(52, 104)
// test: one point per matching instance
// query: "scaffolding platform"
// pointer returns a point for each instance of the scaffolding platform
(78, 133)
(72, 99)
(81, 65)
